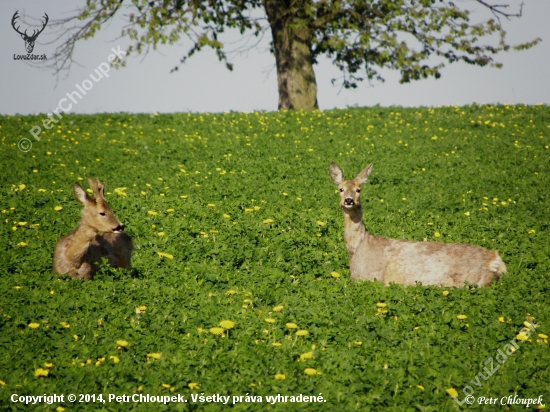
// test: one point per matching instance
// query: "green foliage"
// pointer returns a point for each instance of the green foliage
(245, 206)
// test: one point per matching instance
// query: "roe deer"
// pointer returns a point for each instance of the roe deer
(403, 261)
(98, 235)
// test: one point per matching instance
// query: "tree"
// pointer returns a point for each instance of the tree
(415, 37)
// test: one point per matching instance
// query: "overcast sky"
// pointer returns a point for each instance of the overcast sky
(204, 85)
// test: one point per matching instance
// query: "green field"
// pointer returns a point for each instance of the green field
(234, 216)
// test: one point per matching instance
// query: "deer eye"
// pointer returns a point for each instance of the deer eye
(358, 190)
(341, 190)
(103, 214)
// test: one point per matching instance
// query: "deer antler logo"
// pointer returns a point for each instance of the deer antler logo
(29, 40)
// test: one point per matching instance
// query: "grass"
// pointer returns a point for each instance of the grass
(235, 216)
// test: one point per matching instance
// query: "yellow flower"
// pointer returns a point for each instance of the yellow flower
(381, 305)
(160, 234)
(75, 337)
(193, 385)
(522, 336)
(142, 308)
(256, 207)
(34, 325)
(120, 191)
(311, 371)
(166, 255)
(48, 365)
(122, 343)
(291, 325)
(452, 392)
(165, 385)
(248, 210)
(445, 293)
(226, 216)
(114, 358)
(154, 355)
(529, 325)
(501, 319)
(358, 342)
(216, 331)
(299, 199)
(65, 325)
(22, 186)
(270, 320)
(335, 275)
(461, 317)
(302, 332)
(543, 336)
(22, 244)
(321, 223)
(276, 344)
(22, 223)
(437, 234)
(420, 387)
(152, 212)
(41, 372)
(170, 210)
(227, 324)
(230, 292)
(280, 377)
(58, 208)
(268, 221)
(306, 356)
(142, 193)
(2, 383)
(211, 205)
(278, 308)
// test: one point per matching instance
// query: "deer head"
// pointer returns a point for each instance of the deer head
(350, 190)
(29, 40)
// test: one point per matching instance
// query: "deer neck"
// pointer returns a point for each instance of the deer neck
(80, 240)
(354, 229)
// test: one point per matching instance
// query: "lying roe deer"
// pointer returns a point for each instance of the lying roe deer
(403, 261)
(98, 235)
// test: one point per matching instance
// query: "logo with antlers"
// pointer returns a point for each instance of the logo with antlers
(29, 40)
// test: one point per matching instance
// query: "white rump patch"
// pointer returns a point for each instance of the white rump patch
(495, 264)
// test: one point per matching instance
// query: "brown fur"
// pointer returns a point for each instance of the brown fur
(98, 235)
(403, 261)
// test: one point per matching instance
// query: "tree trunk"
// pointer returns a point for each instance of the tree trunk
(291, 44)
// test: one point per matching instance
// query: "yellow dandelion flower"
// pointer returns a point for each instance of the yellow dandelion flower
(248, 210)
(217, 331)
(65, 325)
(58, 208)
(161, 234)
(22, 186)
(2, 383)
(75, 337)
(41, 372)
(311, 371)
(227, 324)
(170, 210)
(280, 377)
(321, 223)
(114, 358)
(381, 305)
(120, 191)
(230, 292)
(152, 212)
(461, 317)
(166, 255)
(154, 355)
(302, 332)
(437, 234)
(193, 385)
(165, 385)
(34, 325)
(358, 342)
(445, 293)
(268, 221)
(291, 325)
(226, 216)
(501, 319)
(278, 308)
(276, 344)
(256, 207)
(22, 223)
(420, 387)
(270, 320)
(335, 275)
(142, 193)
(22, 244)
(142, 308)
(122, 343)
(299, 199)
(306, 356)
(452, 392)
(48, 365)
(529, 325)
(522, 336)
(543, 336)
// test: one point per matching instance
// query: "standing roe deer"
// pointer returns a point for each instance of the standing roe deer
(403, 261)
(98, 235)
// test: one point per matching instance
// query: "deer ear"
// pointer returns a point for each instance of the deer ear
(336, 173)
(81, 194)
(362, 177)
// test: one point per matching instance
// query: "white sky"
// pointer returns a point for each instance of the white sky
(204, 85)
